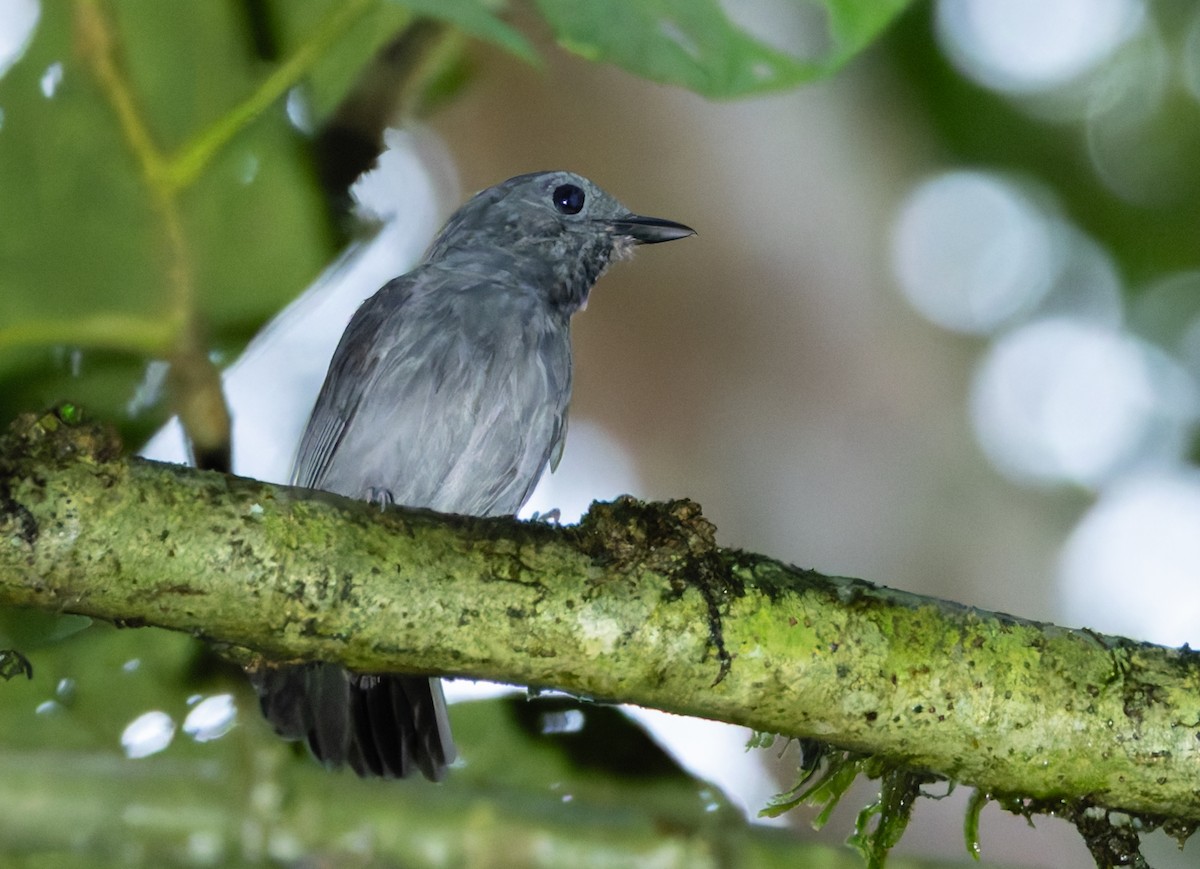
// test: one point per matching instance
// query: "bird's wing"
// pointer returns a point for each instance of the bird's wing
(444, 393)
(353, 366)
(559, 441)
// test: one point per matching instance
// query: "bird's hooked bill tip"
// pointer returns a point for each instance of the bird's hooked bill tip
(651, 230)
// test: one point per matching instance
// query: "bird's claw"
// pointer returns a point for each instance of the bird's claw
(382, 497)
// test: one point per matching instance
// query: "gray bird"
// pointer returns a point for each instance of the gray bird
(449, 391)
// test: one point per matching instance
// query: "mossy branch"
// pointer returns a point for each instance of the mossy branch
(636, 604)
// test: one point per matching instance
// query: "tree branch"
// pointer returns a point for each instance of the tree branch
(635, 604)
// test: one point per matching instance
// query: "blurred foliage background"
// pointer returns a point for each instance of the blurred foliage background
(940, 330)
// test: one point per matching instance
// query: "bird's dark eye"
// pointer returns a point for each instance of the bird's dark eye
(568, 198)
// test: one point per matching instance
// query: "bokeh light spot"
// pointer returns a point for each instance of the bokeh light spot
(1025, 46)
(971, 251)
(1140, 131)
(1065, 401)
(148, 734)
(1130, 566)
(1191, 58)
(1087, 286)
(51, 79)
(211, 718)
(1166, 310)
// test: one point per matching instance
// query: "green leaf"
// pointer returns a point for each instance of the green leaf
(760, 739)
(898, 792)
(975, 805)
(337, 71)
(854, 24)
(841, 770)
(695, 43)
(477, 19)
(86, 259)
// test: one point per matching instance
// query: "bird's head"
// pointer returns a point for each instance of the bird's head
(556, 231)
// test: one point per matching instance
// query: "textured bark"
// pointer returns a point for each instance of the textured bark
(635, 604)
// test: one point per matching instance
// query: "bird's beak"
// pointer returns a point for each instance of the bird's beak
(650, 230)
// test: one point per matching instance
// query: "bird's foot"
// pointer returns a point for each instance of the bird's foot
(379, 495)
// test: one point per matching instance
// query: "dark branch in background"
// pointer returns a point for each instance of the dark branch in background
(260, 25)
(388, 91)
(634, 604)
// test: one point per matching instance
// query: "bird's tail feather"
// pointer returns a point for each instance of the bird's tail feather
(379, 725)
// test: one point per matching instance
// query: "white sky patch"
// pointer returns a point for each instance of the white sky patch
(595, 467)
(18, 21)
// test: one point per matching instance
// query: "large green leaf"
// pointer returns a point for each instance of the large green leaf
(477, 19)
(86, 257)
(695, 43)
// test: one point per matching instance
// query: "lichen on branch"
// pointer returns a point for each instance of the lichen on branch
(636, 604)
